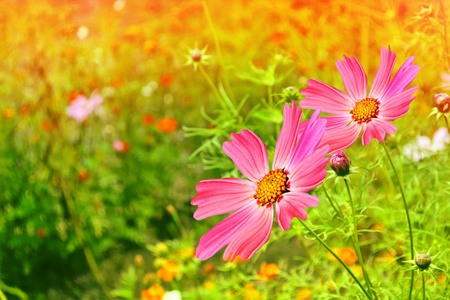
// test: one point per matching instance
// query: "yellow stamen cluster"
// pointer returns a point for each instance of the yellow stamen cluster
(271, 187)
(365, 110)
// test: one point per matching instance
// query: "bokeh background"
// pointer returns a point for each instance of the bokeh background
(100, 208)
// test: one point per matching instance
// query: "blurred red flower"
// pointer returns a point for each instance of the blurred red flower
(148, 119)
(166, 79)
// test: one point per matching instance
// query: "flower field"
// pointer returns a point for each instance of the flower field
(242, 149)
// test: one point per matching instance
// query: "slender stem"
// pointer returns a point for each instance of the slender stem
(337, 257)
(2, 296)
(338, 209)
(407, 217)
(446, 122)
(356, 241)
(219, 51)
(79, 232)
(269, 91)
(309, 256)
(423, 285)
(211, 84)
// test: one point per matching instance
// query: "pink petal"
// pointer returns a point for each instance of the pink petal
(337, 121)
(220, 196)
(341, 137)
(376, 128)
(310, 172)
(253, 236)
(222, 234)
(288, 136)
(248, 153)
(292, 205)
(397, 106)
(353, 76)
(308, 140)
(401, 80)
(321, 96)
(384, 72)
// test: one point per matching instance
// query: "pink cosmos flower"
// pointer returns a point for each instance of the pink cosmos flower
(81, 107)
(297, 168)
(121, 146)
(386, 101)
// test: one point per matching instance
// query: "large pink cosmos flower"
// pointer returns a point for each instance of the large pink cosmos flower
(297, 168)
(386, 101)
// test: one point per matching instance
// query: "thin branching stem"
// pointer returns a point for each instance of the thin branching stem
(446, 123)
(310, 257)
(337, 257)
(356, 242)
(269, 92)
(211, 84)
(423, 285)
(407, 217)
(336, 208)
(218, 49)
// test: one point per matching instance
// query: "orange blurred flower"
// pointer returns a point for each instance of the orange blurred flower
(304, 294)
(132, 32)
(377, 226)
(121, 146)
(25, 109)
(69, 30)
(117, 82)
(168, 271)
(150, 46)
(208, 268)
(83, 175)
(250, 293)
(268, 272)
(167, 125)
(148, 119)
(347, 255)
(8, 113)
(166, 79)
(74, 95)
(237, 259)
(155, 292)
(48, 125)
(278, 38)
(356, 269)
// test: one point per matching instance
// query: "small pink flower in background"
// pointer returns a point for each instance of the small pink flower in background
(81, 107)
(297, 168)
(121, 146)
(387, 100)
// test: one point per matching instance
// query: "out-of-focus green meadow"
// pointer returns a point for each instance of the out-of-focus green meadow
(85, 217)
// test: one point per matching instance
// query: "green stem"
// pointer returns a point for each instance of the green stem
(407, 217)
(423, 285)
(211, 84)
(356, 242)
(219, 51)
(337, 257)
(269, 91)
(446, 122)
(338, 209)
(309, 256)
(79, 232)
(2, 296)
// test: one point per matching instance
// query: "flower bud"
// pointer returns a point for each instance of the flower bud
(340, 163)
(442, 101)
(423, 261)
(196, 55)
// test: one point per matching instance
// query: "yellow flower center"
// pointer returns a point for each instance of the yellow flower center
(271, 187)
(365, 110)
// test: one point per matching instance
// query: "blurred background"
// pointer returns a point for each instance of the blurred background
(107, 124)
